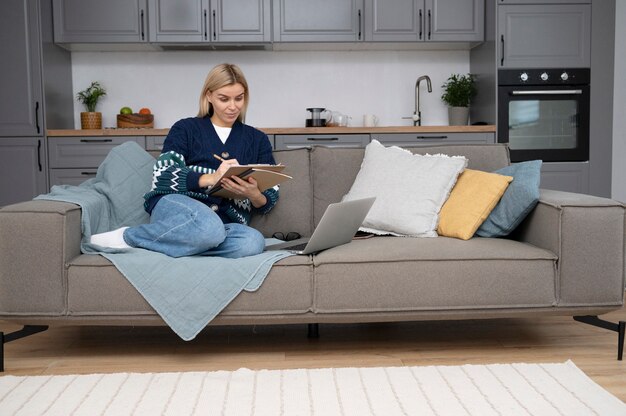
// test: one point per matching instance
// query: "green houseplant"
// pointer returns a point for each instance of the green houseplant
(89, 97)
(459, 90)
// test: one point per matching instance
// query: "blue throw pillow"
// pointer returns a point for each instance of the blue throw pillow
(519, 199)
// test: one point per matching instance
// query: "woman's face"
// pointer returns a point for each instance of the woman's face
(227, 104)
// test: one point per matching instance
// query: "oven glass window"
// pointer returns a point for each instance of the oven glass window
(543, 124)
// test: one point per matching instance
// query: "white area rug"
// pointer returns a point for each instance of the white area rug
(498, 389)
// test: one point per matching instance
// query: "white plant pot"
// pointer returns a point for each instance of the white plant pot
(458, 116)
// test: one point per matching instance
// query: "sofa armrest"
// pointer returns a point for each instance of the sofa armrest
(587, 235)
(37, 239)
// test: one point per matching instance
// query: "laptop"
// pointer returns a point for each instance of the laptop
(338, 225)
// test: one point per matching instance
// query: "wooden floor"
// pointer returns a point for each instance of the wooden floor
(82, 350)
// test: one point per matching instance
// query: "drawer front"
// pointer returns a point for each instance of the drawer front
(293, 141)
(84, 152)
(430, 139)
(71, 176)
(154, 143)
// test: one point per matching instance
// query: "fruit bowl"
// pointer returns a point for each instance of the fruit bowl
(135, 120)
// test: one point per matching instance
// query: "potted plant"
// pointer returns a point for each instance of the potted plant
(459, 90)
(91, 119)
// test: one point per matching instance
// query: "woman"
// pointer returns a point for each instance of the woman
(184, 220)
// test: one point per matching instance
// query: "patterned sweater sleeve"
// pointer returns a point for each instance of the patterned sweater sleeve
(170, 176)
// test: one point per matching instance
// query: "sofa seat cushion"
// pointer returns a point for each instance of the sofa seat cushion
(417, 274)
(97, 288)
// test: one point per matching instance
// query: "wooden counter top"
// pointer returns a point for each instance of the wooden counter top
(109, 132)
(290, 130)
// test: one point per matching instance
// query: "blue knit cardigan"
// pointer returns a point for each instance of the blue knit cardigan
(188, 154)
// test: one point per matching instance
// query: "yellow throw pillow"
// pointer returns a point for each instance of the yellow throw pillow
(472, 199)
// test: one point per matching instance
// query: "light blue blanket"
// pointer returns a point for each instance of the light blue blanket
(186, 292)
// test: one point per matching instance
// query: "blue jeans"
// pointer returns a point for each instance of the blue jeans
(181, 226)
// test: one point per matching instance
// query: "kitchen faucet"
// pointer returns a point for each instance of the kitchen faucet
(417, 115)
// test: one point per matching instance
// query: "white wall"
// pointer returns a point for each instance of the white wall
(618, 183)
(282, 84)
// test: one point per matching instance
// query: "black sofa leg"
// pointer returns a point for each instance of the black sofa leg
(619, 327)
(313, 331)
(24, 332)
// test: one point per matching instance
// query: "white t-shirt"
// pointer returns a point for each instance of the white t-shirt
(222, 132)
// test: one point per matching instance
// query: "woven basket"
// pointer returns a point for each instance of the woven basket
(90, 120)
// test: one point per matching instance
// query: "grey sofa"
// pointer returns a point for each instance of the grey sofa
(566, 258)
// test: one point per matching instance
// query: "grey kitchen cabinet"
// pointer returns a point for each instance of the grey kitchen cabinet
(455, 20)
(538, 1)
(193, 21)
(318, 21)
(154, 143)
(394, 20)
(241, 21)
(424, 20)
(22, 169)
(71, 176)
(21, 100)
(430, 139)
(96, 21)
(544, 35)
(73, 160)
(294, 141)
(565, 176)
(36, 93)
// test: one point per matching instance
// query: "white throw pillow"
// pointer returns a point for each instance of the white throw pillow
(409, 189)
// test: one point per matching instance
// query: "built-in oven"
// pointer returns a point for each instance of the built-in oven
(544, 113)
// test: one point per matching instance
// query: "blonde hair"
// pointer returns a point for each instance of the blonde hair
(220, 76)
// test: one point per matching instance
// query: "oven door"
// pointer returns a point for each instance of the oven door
(550, 123)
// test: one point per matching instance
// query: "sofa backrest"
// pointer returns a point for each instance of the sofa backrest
(334, 170)
(323, 175)
(294, 210)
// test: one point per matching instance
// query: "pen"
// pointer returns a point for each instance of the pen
(219, 158)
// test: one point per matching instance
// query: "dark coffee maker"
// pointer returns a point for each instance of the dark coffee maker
(316, 119)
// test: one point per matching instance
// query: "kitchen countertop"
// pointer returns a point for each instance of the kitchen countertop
(289, 130)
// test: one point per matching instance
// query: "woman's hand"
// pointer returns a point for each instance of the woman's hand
(245, 189)
(211, 179)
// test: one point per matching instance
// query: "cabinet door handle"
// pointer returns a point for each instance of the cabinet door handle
(205, 26)
(88, 173)
(143, 32)
(546, 92)
(502, 50)
(359, 37)
(96, 140)
(37, 117)
(430, 24)
(431, 137)
(421, 19)
(323, 138)
(39, 155)
(214, 26)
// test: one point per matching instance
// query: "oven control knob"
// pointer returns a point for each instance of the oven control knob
(564, 76)
(523, 76)
(544, 76)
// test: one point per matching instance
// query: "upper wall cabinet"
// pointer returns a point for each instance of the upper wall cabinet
(318, 21)
(96, 21)
(454, 20)
(544, 35)
(536, 1)
(192, 21)
(424, 20)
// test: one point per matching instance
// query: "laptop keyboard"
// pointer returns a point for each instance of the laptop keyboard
(296, 247)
